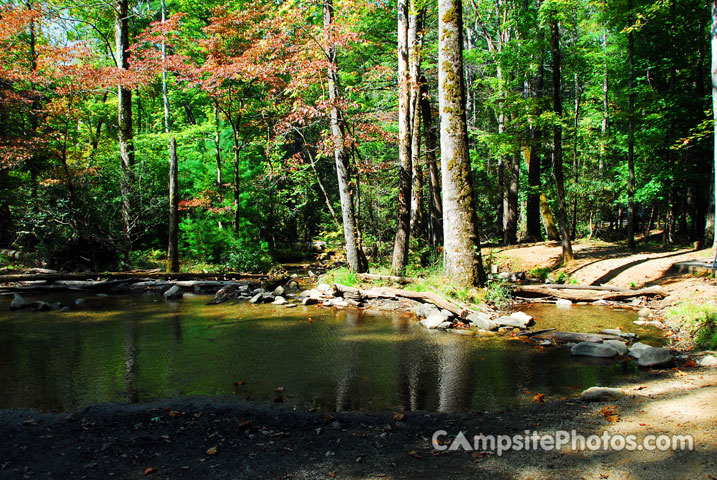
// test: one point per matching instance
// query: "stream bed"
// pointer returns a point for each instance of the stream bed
(141, 348)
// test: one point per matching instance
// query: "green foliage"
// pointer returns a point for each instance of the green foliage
(541, 273)
(498, 293)
(341, 275)
(699, 320)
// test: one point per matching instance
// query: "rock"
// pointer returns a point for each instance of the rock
(504, 275)
(655, 357)
(310, 301)
(323, 287)
(637, 349)
(644, 312)
(654, 323)
(426, 309)
(42, 306)
(278, 291)
(461, 331)
(445, 325)
(510, 321)
(256, 298)
(599, 302)
(446, 313)
(64, 309)
(102, 295)
(708, 361)
(267, 297)
(618, 333)
(80, 301)
(243, 288)
(173, 293)
(313, 293)
(433, 321)
(18, 302)
(481, 321)
(290, 305)
(619, 346)
(592, 349)
(636, 302)
(524, 317)
(562, 302)
(594, 394)
(279, 300)
(257, 291)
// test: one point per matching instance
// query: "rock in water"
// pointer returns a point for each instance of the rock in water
(173, 293)
(563, 303)
(593, 349)
(596, 394)
(638, 349)
(278, 291)
(481, 321)
(513, 322)
(279, 300)
(655, 357)
(644, 312)
(310, 301)
(433, 321)
(619, 346)
(18, 302)
(256, 298)
(523, 317)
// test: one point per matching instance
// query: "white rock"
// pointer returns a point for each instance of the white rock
(655, 357)
(433, 321)
(174, 292)
(278, 291)
(279, 300)
(323, 287)
(599, 302)
(644, 312)
(601, 393)
(481, 321)
(563, 302)
(310, 301)
(256, 298)
(709, 361)
(523, 317)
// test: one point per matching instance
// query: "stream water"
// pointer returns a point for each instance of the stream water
(141, 348)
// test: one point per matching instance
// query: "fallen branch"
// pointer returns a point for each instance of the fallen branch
(575, 337)
(588, 293)
(385, 278)
(387, 292)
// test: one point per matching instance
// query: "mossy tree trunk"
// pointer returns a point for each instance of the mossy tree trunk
(462, 259)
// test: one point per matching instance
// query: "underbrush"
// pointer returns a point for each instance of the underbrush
(699, 321)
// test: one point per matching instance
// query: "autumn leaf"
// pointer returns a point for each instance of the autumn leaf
(610, 413)
(415, 454)
(612, 418)
(690, 363)
(539, 397)
(174, 413)
(150, 470)
(279, 389)
(332, 474)
(398, 416)
(213, 450)
(239, 383)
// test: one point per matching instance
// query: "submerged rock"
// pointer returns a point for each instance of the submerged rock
(515, 320)
(433, 321)
(18, 302)
(638, 349)
(655, 357)
(593, 349)
(481, 321)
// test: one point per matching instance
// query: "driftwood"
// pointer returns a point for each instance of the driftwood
(536, 332)
(575, 337)
(385, 278)
(387, 292)
(586, 293)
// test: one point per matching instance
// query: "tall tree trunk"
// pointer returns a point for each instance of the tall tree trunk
(217, 150)
(237, 150)
(436, 205)
(567, 256)
(400, 246)
(124, 120)
(354, 256)
(605, 108)
(630, 133)
(713, 5)
(173, 237)
(576, 169)
(510, 212)
(415, 25)
(462, 260)
(532, 208)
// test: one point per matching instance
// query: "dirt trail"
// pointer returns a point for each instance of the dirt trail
(599, 263)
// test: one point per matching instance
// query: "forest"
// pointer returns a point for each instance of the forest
(231, 135)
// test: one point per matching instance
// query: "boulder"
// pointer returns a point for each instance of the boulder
(655, 357)
(433, 321)
(310, 301)
(257, 291)
(709, 361)
(644, 312)
(596, 394)
(512, 322)
(323, 287)
(445, 325)
(18, 302)
(279, 300)
(562, 302)
(267, 297)
(256, 298)
(278, 291)
(593, 349)
(618, 333)
(637, 349)
(619, 346)
(426, 309)
(599, 302)
(173, 293)
(524, 317)
(481, 321)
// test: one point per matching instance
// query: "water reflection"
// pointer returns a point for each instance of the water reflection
(137, 349)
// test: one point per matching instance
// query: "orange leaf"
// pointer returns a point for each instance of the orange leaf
(150, 470)
(612, 418)
(239, 383)
(213, 450)
(398, 416)
(539, 397)
(415, 454)
(332, 474)
(690, 363)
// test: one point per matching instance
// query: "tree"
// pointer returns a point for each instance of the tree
(713, 37)
(403, 230)
(462, 260)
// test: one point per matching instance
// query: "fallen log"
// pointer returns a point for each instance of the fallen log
(575, 337)
(537, 332)
(586, 294)
(53, 277)
(387, 292)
